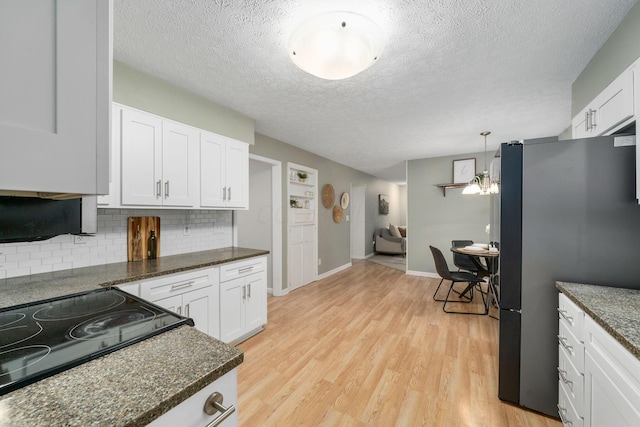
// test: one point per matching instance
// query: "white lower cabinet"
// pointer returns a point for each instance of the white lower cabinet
(190, 413)
(612, 380)
(243, 299)
(599, 379)
(132, 288)
(192, 294)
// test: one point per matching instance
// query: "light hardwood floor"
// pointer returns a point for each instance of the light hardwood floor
(369, 347)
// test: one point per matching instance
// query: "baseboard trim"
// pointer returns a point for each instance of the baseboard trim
(334, 271)
(423, 274)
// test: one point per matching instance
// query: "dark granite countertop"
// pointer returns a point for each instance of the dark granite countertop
(617, 310)
(19, 290)
(132, 386)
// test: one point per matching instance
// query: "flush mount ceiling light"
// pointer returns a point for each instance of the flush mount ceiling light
(336, 45)
(482, 183)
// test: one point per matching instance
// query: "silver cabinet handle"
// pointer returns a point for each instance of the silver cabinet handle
(245, 269)
(244, 292)
(213, 405)
(563, 376)
(563, 342)
(229, 190)
(158, 189)
(563, 314)
(249, 286)
(586, 121)
(224, 193)
(561, 412)
(186, 310)
(180, 310)
(182, 285)
(166, 189)
(592, 115)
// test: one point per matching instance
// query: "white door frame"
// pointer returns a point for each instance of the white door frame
(276, 221)
(357, 231)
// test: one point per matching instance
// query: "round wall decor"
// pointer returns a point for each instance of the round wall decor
(328, 196)
(338, 213)
(344, 200)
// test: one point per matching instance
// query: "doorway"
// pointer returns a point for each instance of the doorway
(260, 227)
(358, 222)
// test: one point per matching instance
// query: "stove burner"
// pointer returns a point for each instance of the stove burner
(112, 324)
(18, 334)
(7, 319)
(28, 355)
(79, 307)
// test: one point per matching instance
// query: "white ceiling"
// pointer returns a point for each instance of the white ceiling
(450, 69)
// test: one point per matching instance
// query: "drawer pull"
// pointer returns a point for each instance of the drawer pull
(563, 342)
(562, 373)
(245, 269)
(561, 412)
(213, 405)
(182, 285)
(563, 314)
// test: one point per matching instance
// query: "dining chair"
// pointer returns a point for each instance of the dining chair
(467, 262)
(455, 277)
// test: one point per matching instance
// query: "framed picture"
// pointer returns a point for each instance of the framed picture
(464, 170)
(383, 204)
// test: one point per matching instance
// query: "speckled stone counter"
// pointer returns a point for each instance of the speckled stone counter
(129, 387)
(132, 386)
(36, 287)
(617, 310)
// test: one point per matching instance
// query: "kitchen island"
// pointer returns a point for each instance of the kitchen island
(132, 386)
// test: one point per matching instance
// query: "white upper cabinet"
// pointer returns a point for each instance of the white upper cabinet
(159, 161)
(55, 81)
(612, 109)
(224, 172)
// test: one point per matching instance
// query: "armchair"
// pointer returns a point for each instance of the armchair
(385, 243)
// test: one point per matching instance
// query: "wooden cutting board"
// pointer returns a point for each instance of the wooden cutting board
(138, 233)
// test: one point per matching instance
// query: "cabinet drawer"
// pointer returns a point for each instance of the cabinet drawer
(566, 410)
(573, 315)
(177, 284)
(569, 344)
(572, 380)
(242, 268)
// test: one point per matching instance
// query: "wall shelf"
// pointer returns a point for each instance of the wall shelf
(445, 187)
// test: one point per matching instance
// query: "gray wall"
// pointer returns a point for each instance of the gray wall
(148, 93)
(436, 220)
(615, 55)
(333, 244)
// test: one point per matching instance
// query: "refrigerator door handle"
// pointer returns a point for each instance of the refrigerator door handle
(513, 310)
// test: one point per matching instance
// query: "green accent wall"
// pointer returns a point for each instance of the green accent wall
(436, 220)
(616, 54)
(148, 93)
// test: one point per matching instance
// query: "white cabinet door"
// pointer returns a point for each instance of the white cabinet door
(173, 304)
(237, 174)
(112, 198)
(308, 251)
(197, 306)
(255, 302)
(141, 159)
(224, 172)
(615, 104)
(55, 81)
(232, 317)
(296, 257)
(212, 170)
(179, 164)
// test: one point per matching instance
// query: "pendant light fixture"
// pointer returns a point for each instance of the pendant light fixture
(481, 183)
(336, 45)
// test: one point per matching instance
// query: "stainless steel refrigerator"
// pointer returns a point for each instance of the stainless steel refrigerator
(566, 211)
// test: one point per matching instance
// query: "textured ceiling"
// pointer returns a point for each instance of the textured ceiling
(450, 69)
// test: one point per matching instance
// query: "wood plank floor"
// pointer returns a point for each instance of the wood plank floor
(369, 347)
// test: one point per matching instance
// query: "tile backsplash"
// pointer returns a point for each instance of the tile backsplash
(207, 230)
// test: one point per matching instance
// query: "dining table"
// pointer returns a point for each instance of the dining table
(491, 259)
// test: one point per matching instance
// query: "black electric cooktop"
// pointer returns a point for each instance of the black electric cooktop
(46, 337)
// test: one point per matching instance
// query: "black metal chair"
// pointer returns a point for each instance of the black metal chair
(467, 262)
(455, 277)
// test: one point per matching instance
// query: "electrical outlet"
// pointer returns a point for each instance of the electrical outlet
(187, 230)
(80, 240)
(319, 261)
